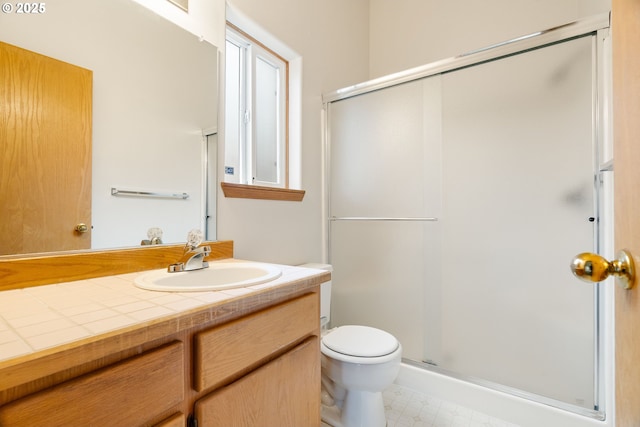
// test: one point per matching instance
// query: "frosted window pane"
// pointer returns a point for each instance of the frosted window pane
(266, 122)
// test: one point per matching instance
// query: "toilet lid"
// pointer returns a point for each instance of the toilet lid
(360, 341)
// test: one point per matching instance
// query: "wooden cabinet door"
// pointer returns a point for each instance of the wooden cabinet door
(228, 351)
(45, 153)
(284, 392)
(130, 393)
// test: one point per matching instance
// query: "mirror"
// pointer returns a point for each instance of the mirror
(155, 98)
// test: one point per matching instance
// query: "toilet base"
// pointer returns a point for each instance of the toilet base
(359, 409)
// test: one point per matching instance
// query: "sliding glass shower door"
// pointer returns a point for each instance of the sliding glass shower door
(518, 196)
(456, 203)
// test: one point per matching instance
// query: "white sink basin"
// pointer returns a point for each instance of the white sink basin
(218, 276)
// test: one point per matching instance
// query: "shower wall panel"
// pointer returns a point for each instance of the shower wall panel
(381, 165)
(385, 157)
(379, 272)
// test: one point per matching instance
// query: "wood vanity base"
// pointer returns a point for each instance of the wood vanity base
(253, 360)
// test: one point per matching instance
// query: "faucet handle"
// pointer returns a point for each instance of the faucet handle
(154, 232)
(194, 238)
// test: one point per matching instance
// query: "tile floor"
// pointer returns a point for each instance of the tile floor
(407, 408)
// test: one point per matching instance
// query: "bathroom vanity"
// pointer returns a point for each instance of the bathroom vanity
(241, 357)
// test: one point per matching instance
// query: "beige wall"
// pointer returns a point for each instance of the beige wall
(409, 33)
(332, 37)
(205, 18)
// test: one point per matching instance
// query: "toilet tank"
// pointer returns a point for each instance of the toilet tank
(325, 294)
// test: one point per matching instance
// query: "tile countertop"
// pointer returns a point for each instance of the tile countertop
(39, 319)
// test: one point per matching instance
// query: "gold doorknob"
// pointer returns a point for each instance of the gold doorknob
(81, 228)
(594, 268)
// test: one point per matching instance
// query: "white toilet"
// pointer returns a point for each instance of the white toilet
(358, 364)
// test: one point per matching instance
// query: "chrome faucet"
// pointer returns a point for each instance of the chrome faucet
(193, 256)
(154, 237)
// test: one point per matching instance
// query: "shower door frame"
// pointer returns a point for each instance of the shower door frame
(598, 27)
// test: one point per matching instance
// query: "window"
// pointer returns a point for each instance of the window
(256, 113)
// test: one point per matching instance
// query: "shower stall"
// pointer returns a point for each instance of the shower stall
(457, 194)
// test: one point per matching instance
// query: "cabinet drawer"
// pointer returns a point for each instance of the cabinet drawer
(283, 393)
(129, 393)
(237, 347)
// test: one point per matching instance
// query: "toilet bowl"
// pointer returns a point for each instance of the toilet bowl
(358, 364)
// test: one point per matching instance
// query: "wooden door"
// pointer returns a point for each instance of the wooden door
(45, 153)
(282, 393)
(625, 30)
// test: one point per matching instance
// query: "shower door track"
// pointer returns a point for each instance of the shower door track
(512, 391)
(501, 50)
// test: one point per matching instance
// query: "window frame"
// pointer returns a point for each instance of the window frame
(253, 50)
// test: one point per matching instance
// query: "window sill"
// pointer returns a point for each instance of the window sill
(244, 191)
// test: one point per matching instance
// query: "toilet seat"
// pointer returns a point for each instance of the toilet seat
(359, 344)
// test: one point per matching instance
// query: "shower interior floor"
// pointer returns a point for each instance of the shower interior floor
(407, 408)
